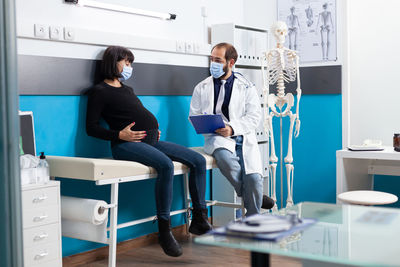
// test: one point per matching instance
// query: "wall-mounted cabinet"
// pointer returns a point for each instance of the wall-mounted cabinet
(249, 42)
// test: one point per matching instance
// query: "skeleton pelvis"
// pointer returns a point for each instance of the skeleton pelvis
(280, 102)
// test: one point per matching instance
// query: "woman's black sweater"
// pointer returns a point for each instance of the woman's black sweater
(119, 107)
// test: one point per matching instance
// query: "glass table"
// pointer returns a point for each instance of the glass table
(344, 234)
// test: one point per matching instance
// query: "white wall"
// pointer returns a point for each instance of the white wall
(188, 24)
(260, 14)
(109, 27)
(371, 105)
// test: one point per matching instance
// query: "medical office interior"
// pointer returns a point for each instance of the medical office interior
(349, 95)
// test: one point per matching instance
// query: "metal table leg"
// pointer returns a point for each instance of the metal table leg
(112, 254)
(259, 259)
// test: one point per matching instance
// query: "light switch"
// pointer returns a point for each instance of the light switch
(55, 32)
(180, 46)
(40, 30)
(69, 34)
(189, 47)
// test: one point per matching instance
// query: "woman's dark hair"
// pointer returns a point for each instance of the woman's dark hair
(230, 51)
(111, 56)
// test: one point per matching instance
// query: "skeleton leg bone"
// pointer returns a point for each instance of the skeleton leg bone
(327, 45)
(289, 165)
(323, 44)
(272, 172)
(273, 160)
(289, 156)
(289, 172)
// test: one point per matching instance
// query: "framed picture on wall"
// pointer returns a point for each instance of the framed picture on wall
(312, 28)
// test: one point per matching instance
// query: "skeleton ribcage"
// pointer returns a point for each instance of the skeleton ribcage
(285, 65)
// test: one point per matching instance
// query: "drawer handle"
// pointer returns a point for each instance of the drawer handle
(40, 218)
(41, 255)
(39, 199)
(40, 237)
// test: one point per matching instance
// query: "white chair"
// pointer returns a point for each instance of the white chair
(367, 197)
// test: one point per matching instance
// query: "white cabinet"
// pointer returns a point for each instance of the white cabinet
(41, 224)
(249, 42)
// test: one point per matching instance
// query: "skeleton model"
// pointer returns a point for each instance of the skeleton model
(281, 65)
(325, 18)
(294, 26)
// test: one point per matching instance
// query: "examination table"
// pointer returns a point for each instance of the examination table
(114, 172)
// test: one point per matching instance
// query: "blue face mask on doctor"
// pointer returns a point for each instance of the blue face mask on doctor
(126, 73)
(216, 69)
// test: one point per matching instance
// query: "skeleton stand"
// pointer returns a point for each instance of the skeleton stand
(281, 148)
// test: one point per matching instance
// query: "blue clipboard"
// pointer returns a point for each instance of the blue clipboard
(204, 124)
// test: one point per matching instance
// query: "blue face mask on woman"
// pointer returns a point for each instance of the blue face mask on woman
(126, 73)
(216, 69)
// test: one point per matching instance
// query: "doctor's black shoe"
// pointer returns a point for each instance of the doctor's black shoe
(200, 224)
(167, 241)
(267, 202)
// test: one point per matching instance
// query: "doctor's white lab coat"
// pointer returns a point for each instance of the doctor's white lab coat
(244, 116)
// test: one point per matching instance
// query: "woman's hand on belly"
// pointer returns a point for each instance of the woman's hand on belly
(127, 134)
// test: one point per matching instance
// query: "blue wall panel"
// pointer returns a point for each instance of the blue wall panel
(314, 150)
(60, 130)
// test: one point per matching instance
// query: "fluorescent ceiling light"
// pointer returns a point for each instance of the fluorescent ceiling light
(91, 3)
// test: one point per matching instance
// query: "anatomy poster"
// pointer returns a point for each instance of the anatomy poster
(311, 28)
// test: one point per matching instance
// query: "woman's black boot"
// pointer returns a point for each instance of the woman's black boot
(167, 241)
(200, 224)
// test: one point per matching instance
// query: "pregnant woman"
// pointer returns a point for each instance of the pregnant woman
(134, 135)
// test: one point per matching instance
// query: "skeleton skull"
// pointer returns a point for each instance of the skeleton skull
(279, 30)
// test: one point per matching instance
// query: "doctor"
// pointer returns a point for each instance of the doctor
(235, 146)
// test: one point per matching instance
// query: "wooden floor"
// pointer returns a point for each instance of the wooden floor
(193, 255)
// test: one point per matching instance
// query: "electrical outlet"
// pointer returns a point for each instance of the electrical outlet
(180, 46)
(55, 32)
(40, 31)
(189, 47)
(69, 34)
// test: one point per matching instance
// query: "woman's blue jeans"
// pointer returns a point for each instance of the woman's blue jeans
(160, 157)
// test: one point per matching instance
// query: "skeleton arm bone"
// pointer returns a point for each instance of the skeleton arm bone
(298, 23)
(298, 96)
(330, 17)
(288, 21)
(316, 27)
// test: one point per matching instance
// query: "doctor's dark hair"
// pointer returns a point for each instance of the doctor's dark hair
(111, 56)
(230, 51)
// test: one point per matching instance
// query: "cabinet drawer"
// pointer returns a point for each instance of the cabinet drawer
(41, 235)
(40, 216)
(42, 254)
(55, 263)
(41, 197)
